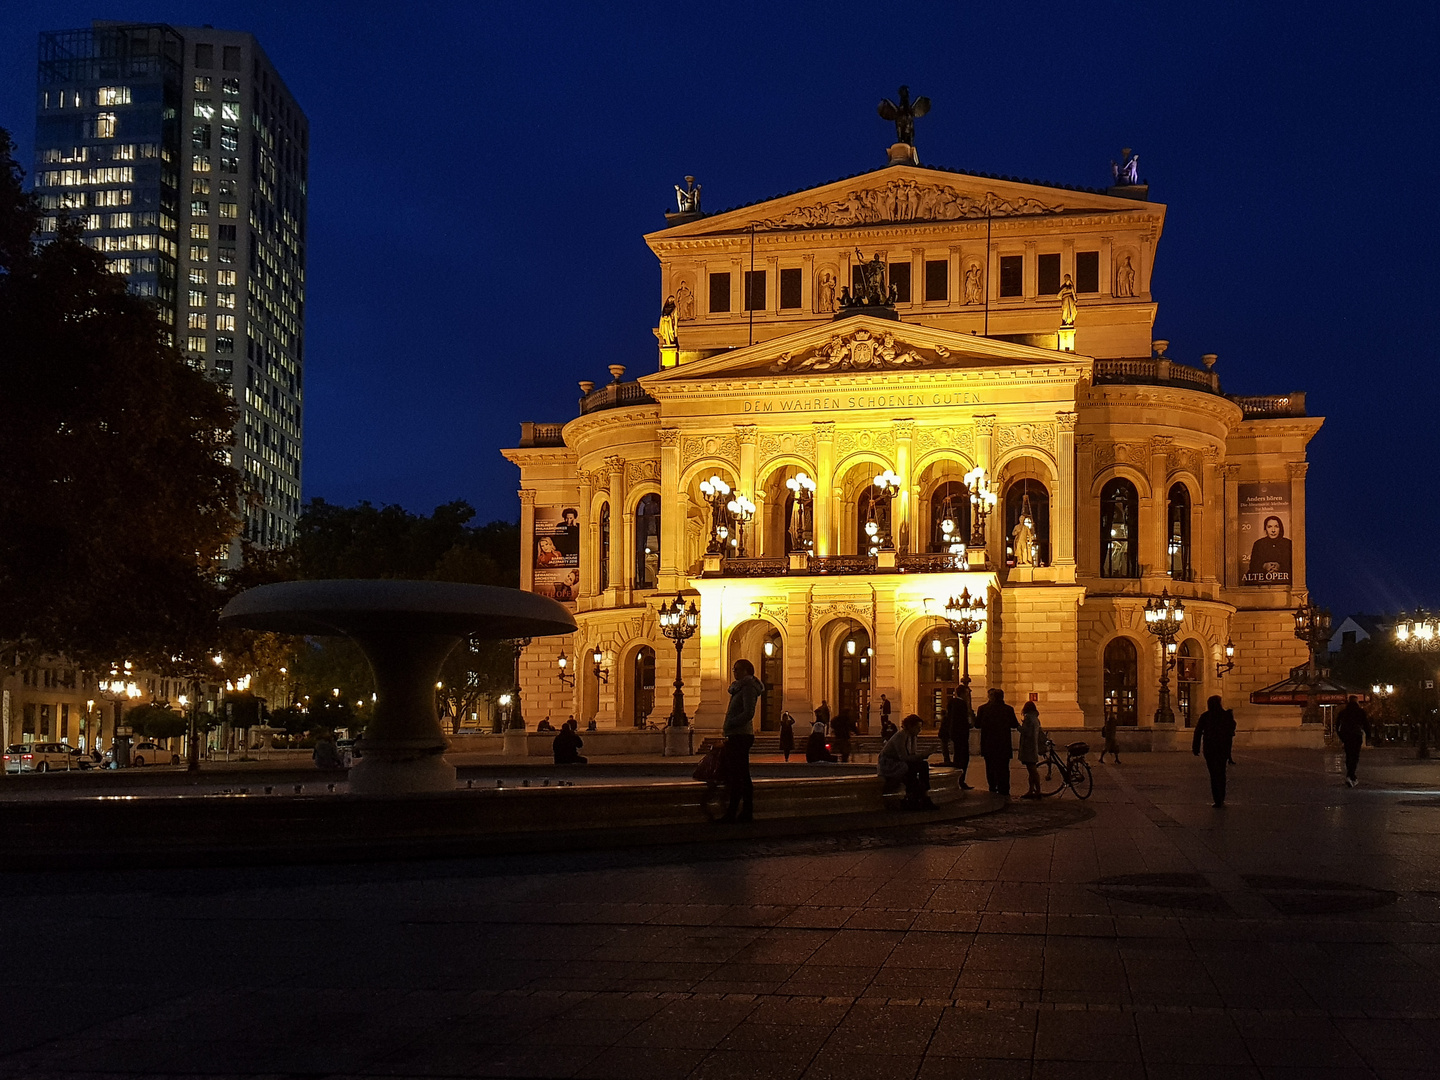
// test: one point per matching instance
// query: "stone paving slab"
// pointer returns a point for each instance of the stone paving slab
(1294, 933)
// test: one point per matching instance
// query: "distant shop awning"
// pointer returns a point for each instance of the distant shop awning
(1294, 691)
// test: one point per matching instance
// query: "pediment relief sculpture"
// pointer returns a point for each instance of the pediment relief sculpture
(905, 200)
(860, 350)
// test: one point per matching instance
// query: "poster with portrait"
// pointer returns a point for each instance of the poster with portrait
(1265, 545)
(555, 558)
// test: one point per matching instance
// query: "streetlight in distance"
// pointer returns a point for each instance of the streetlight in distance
(1312, 626)
(1419, 634)
(678, 623)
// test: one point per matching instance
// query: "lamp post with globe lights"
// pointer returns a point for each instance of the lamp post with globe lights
(717, 493)
(965, 614)
(887, 486)
(1419, 633)
(678, 623)
(1312, 626)
(119, 688)
(982, 501)
(802, 488)
(1163, 617)
(742, 510)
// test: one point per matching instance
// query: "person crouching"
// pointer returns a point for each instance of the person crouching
(902, 763)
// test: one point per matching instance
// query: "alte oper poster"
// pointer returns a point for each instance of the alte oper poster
(1264, 550)
(556, 556)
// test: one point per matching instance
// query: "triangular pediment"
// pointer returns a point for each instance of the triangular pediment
(902, 194)
(862, 346)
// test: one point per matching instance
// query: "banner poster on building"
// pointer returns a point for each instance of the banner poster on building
(1264, 547)
(556, 559)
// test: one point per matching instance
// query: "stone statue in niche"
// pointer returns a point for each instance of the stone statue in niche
(974, 285)
(904, 114)
(684, 302)
(667, 331)
(825, 292)
(1125, 276)
(1127, 170)
(688, 197)
(1022, 541)
(1067, 302)
(872, 280)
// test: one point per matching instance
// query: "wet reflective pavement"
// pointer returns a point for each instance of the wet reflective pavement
(1293, 933)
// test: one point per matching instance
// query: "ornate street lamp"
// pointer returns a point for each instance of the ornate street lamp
(982, 501)
(517, 717)
(119, 688)
(1312, 626)
(887, 486)
(965, 615)
(950, 538)
(566, 676)
(1163, 617)
(602, 674)
(741, 511)
(678, 623)
(716, 492)
(802, 527)
(1222, 668)
(1420, 634)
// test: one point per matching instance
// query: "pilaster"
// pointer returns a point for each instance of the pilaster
(903, 515)
(1154, 518)
(1087, 513)
(622, 530)
(1062, 519)
(1297, 470)
(1231, 531)
(527, 538)
(824, 486)
(672, 510)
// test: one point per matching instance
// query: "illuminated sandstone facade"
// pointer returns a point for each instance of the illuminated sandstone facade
(1138, 474)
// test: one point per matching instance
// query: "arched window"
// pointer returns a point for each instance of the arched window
(853, 657)
(949, 501)
(1028, 498)
(938, 674)
(1187, 680)
(1178, 538)
(1122, 677)
(1119, 529)
(647, 541)
(642, 684)
(604, 546)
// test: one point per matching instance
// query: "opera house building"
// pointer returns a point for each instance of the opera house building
(888, 404)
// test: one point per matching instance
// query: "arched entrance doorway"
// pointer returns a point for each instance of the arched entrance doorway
(1122, 680)
(642, 685)
(852, 666)
(938, 674)
(772, 674)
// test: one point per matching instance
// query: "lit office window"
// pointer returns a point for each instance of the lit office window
(224, 277)
(104, 125)
(199, 185)
(122, 221)
(225, 299)
(200, 163)
(199, 230)
(202, 84)
(112, 95)
(230, 110)
(197, 298)
(112, 198)
(198, 275)
(231, 88)
(229, 210)
(199, 320)
(200, 253)
(195, 343)
(204, 109)
(225, 322)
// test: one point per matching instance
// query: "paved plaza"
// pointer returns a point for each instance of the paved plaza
(1294, 933)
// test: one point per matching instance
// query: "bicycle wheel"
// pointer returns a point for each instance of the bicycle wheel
(1082, 780)
(1052, 776)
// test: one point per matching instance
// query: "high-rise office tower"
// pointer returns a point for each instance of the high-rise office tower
(186, 157)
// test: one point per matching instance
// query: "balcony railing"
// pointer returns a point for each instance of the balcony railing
(532, 434)
(921, 563)
(1156, 371)
(615, 395)
(1271, 406)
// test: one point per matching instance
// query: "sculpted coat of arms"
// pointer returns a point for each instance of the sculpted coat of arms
(859, 351)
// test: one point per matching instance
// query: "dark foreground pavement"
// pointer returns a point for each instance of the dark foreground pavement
(1295, 933)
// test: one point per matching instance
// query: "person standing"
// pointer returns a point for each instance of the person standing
(885, 713)
(787, 734)
(739, 733)
(996, 720)
(822, 714)
(1353, 727)
(843, 728)
(1107, 733)
(902, 763)
(1032, 746)
(1215, 732)
(947, 724)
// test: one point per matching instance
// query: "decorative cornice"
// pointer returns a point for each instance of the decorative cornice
(902, 201)
(1066, 420)
(668, 436)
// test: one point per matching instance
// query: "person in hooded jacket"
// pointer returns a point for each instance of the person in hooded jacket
(1215, 733)
(739, 733)
(1353, 727)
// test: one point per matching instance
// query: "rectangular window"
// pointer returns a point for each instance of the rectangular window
(720, 292)
(199, 253)
(1087, 271)
(199, 275)
(204, 56)
(197, 298)
(122, 221)
(225, 322)
(1047, 275)
(200, 163)
(195, 343)
(199, 186)
(199, 230)
(227, 233)
(230, 59)
(227, 255)
(231, 88)
(199, 207)
(199, 320)
(202, 84)
(900, 282)
(224, 345)
(122, 152)
(754, 290)
(229, 210)
(937, 279)
(103, 126)
(790, 288)
(224, 277)
(229, 138)
(1012, 275)
(230, 110)
(225, 299)
(204, 109)
(230, 164)
(112, 95)
(200, 137)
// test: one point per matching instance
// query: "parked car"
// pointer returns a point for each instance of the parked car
(45, 757)
(149, 753)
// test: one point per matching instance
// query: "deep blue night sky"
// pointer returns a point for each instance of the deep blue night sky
(481, 176)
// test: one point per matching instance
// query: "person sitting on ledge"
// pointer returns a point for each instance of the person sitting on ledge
(567, 745)
(902, 763)
(815, 748)
(545, 725)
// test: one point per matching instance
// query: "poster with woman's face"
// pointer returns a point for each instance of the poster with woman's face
(1265, 549)
(556, 555)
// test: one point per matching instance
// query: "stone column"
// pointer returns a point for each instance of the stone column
(1297, 470)
(984, 455)
(956, 276)
(672, 509)
(589, 567)
(622, 523)
(1154, 522)
(1230, 534)
(1062, 512)
(807, 284)
(1207, 518)
(527, 538)
(1107, 266)
(1032, 270)
(1087, 510)
(903, 515)
(745, 484)
(917, 276)
(824, 486)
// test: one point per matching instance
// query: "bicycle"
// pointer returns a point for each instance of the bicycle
(1073, 772)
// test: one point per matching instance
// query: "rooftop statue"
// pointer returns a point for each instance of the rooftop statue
(688, 197)
(1067, 302)
(668, 331)
(1127, 170)
(904, 114)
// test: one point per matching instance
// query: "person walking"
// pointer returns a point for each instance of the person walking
(901, 762)
(1353, 728)
(996, 720)
(1107, 733)
(961, 735)
(739, 733)
(1215, 733)
(787, 734)
(1032, 747)
(843, 727)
